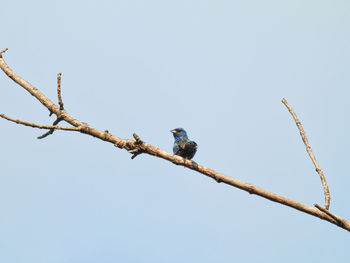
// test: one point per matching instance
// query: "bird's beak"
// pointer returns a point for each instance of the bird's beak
(172, 131)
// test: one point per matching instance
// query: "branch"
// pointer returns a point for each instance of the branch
(54, 124)
(312, 156)
(61, 108)
(59, 91)
(34, 125)
(138, 146)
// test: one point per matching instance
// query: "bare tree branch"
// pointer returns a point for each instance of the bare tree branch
(312, 156)
(138, 146)
(34, 125)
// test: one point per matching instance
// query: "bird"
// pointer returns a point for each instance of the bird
(183, 146)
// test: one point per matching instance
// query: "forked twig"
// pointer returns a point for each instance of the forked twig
(312, 156)
(61, 108)
(51, 130)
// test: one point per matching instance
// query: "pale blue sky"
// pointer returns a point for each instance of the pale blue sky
(219, 69)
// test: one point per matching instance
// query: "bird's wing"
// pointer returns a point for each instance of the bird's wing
(180, 147)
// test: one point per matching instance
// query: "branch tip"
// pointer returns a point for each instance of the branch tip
(59, 90)
(137, 138)
(312, 156)
(3, 51)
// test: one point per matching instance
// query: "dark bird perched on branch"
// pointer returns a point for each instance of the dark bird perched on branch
(182, 145)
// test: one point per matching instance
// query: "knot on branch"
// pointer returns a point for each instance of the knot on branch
(137, 149)
(218, 180)
(84, 128)
(106, 135)
(137, 138)
(250, 190)
(120, 144)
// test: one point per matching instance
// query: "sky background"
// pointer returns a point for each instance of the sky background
(219, 69)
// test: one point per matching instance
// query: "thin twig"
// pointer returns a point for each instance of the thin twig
(51, 130)
(59, 91)
(34, 125)
(312, 156)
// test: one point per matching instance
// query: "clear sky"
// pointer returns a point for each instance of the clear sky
(219, 69)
